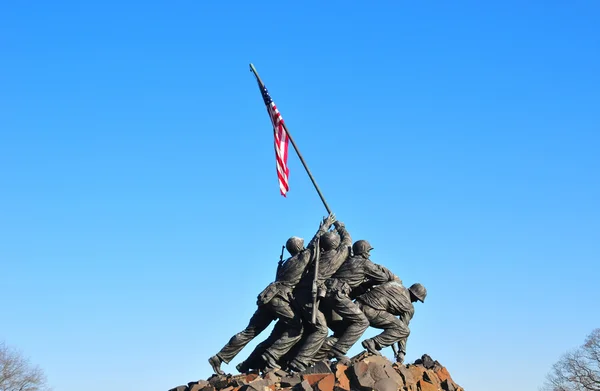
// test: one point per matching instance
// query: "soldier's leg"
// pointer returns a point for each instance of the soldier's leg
(394, 329)
(315, 334)
(255, 359)
(285, 360)
(289, 333)
(323, 352)
(355, 321)
(335, 324)
(259, 321)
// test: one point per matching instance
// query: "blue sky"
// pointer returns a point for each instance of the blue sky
(139, 207)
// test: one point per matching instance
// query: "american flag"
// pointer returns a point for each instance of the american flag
(281, 142)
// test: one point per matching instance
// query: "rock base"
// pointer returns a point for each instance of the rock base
(366, 373)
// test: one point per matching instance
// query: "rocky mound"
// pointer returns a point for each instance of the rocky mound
(364, 374)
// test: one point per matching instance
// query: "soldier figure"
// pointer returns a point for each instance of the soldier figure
(274, 303)
(357, 273)
(335, 249)
(381, 305)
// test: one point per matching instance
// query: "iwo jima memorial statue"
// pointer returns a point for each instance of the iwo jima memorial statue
(329, 284)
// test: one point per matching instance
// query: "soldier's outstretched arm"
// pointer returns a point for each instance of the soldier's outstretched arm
(323, 227)
(346, 240)
(378, 274)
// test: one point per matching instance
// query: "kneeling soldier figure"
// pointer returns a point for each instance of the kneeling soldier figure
(381, 305)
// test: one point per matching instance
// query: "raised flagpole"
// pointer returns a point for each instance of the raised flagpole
(261, 86)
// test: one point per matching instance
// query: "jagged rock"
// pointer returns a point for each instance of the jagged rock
(303, 386)
(360, 356)
(319, 367)
(272, 376)
(362, 375)
(201, 383)
(359, 368)
(448, 385)
(239, 380)
(383, 374)
(394, 375)
(368, 373)
(377, 360)
(407, 375)
(377, 372)
(342, 381)
(290, 381)
(430, 377)
(197, 385)
(326, 383)
(416, 372)
(381, 368)
(313, 378)
(426, 361)
(442, 374)
(219, 381)
(426, 386)
(386, 384)
(259, 384)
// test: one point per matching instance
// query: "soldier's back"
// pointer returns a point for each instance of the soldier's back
(391, 297)
(294, 268)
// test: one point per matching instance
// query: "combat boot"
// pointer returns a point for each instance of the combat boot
(340, 357)
(215, 362)
(270, 362)
(242, 367)
(297, 366)
(369, 344)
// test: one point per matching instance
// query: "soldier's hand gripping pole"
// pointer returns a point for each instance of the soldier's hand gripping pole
(315, 283)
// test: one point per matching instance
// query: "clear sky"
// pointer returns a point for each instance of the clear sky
(139, 207)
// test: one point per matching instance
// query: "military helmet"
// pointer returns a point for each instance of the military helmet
(330, 241)
(361, 247)
(294, 245)
(419, 291)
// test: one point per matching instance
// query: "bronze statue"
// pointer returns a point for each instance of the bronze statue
(311, 286)
(329, 283)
